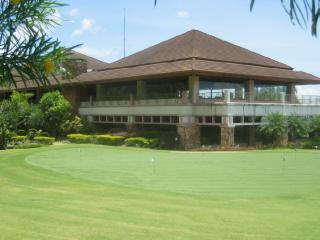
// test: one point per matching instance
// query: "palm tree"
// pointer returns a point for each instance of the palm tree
(275, 127)
(298, 127)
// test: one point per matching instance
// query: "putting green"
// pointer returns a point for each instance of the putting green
(284, 173)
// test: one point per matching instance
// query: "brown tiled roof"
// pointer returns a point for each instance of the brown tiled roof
(92, 63)
(199, 45)
(191, 53)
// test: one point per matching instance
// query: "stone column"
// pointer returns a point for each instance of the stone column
(292, 93)
(252, 136)
(250, 91)
(227, 136)
(141, 89)
(131, 126)
(100, 92)
(189, 135)
(227, 132)
(194, 87)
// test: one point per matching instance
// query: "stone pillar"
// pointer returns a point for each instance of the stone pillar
(227, 132)
(131, 126)
(194, 87)
(100, 92)
(141, 89)
(292, 93)
(252, 136)
(227, 136)
(189, 135)
(250, 91)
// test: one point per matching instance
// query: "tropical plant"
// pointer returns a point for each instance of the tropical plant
(276, 128)
(27, 52)
(72, 125)
(297, 126)
(314, 126)
(56, 110)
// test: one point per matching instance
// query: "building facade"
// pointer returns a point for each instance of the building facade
(195, 82)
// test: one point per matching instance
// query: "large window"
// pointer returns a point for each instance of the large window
(164, 89)
(119, 91)
(214, 89)
(269, 92)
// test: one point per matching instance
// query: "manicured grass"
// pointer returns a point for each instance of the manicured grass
(96, 192)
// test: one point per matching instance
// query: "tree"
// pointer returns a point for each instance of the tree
(56, 110)
(297, 126)
(302, 12)
(27, 52)
(275, 127)
(314, 126)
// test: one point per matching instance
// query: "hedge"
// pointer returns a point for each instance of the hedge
(142, 142)
(312, 144)
(19, 139)
(80, 138)
(44, 140)
(110, 140)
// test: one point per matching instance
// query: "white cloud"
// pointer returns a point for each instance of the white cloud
(309, 90)
(182, 14)
(73, 12)
(86, 25)
(95, 52)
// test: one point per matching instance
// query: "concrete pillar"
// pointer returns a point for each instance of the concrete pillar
(189, 135)
(252, 136)
(251, 91)
(131, 126)
(141, 89)
(292, 93)
(227, 96)
(227, 136)
(283, 97)
(100, 92)
(194, 88)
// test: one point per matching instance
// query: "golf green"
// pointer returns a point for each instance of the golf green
(238, 174)
(89, 192)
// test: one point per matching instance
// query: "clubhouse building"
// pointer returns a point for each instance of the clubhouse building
(196, 83)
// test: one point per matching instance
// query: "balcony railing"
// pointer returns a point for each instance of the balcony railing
(205, 98)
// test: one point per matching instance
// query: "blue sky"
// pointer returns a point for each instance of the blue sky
(98, 25)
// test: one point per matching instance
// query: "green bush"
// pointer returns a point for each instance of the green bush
(19, 139)
(110, 140)
(27, 146)
(80, 138)
(312, 144)
(142, 142)
(44, 140)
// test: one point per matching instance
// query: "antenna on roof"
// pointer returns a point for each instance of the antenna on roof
(124, 32)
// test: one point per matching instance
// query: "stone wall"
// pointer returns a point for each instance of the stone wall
(189, 136)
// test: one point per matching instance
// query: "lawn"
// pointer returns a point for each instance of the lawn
(97, 192)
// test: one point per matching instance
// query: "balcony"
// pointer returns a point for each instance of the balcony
(202, 106)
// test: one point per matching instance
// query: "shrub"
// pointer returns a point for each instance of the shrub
(142, 142)
(110, 140)
(44, 140)
(19, 139)
(80, 138)
(27, 146)
(137, 142)
(73, 125)
(312, 144)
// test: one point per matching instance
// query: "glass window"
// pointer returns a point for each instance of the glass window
(214, 89)
(269, 92)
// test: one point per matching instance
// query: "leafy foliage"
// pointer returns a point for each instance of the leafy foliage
(56, 110)
(301, 11)
(275, 127)
(297, 127)
(26, 50)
